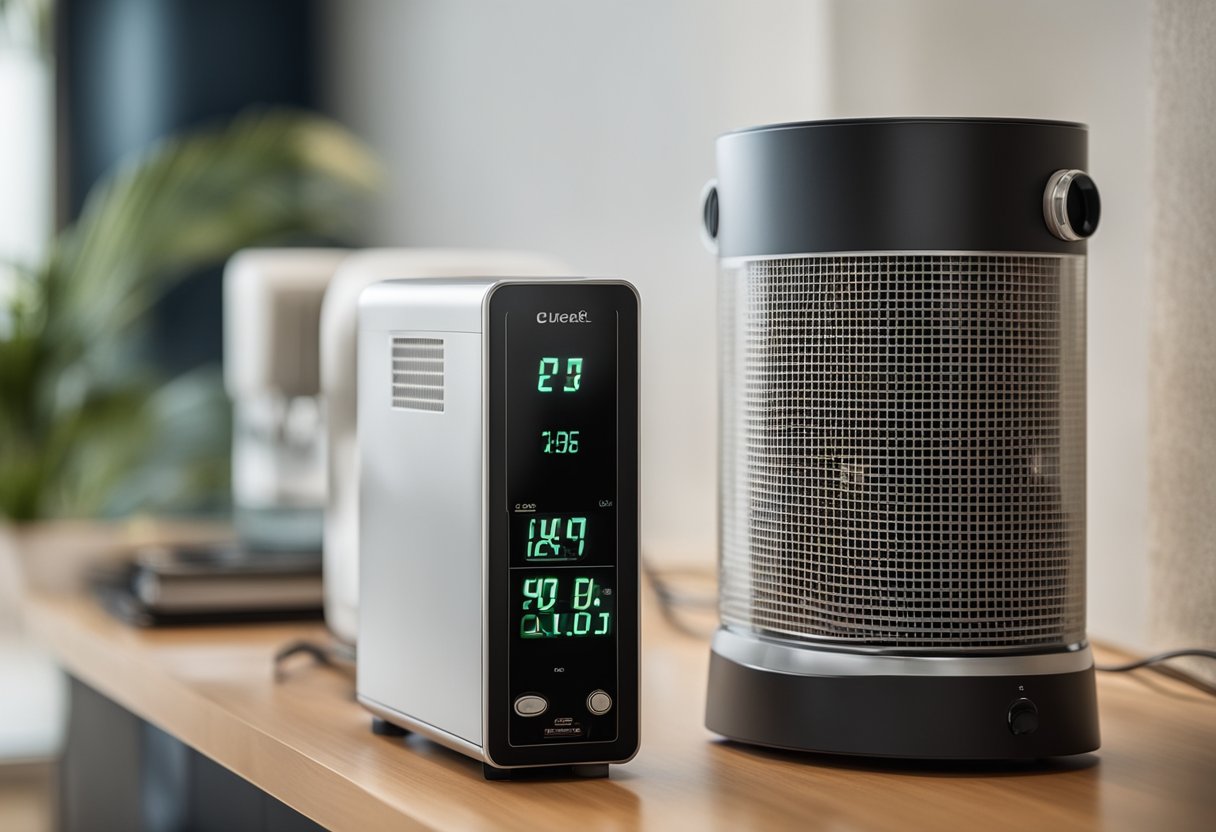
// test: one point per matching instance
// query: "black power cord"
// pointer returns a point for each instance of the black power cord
(1152, 662)
(1149, 661)
(336, 656)
(1160, 657)
(671, 601)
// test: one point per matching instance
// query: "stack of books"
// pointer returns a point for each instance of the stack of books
(206, 584)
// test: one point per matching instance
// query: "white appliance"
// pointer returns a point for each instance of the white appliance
(272, 314)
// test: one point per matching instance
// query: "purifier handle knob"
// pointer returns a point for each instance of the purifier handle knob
(709, 216)
(1071, 206)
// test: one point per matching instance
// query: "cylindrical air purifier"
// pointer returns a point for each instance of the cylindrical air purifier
(903, 438)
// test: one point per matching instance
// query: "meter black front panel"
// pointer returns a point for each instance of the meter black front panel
(562, 574)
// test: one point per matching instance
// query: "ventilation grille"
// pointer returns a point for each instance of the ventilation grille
(417, 373)
(903, 457)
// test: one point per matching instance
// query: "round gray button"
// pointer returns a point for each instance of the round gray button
(531, 705)
(599, 702)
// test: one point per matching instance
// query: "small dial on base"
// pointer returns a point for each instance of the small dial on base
(1023, 717)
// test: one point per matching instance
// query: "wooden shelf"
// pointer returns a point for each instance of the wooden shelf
(306, 742)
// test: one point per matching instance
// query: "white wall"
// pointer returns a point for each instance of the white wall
(1182, 438)
(1081, 60)
(25, 156)
(585, 130)
(32, 693)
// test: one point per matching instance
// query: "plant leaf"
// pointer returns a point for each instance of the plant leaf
(81, 430)
(195, 200)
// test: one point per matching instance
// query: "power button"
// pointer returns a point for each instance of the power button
(599, 703)
(1023, 717)
(531, 705)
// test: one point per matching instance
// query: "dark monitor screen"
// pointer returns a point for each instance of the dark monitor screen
(563, 381)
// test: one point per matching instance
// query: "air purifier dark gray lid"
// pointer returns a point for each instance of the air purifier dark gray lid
(901, 184)
(844, 122)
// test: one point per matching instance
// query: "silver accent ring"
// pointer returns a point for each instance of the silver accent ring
(1055, 204)
(782, 657)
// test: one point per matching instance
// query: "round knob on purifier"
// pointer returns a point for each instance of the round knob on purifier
(1071, 206)
(709, 216)
(1023, 717)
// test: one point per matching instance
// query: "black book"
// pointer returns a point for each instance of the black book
(205, 584)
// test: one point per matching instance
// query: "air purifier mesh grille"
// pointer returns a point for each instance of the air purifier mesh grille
(417, 373)
(904, 450)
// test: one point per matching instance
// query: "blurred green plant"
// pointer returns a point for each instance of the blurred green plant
(86, 426)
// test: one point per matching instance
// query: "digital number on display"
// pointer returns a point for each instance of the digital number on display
(560, 441)
(586, 610)
(556, 538)
(550, 374)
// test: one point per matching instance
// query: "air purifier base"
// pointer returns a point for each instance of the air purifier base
(957, 717)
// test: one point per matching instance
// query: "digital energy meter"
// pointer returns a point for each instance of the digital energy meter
(498, 444)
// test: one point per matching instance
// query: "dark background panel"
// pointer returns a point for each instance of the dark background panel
(122, 774)
(129, 72)
(99, 786)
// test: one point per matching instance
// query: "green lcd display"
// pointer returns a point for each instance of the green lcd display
(559, 441)
(556, 538)
(567, 372)
(565, 606)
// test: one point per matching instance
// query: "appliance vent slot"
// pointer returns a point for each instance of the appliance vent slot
(904, 450)
(417, 373)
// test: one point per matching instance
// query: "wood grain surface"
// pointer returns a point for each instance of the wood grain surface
(304, 740)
